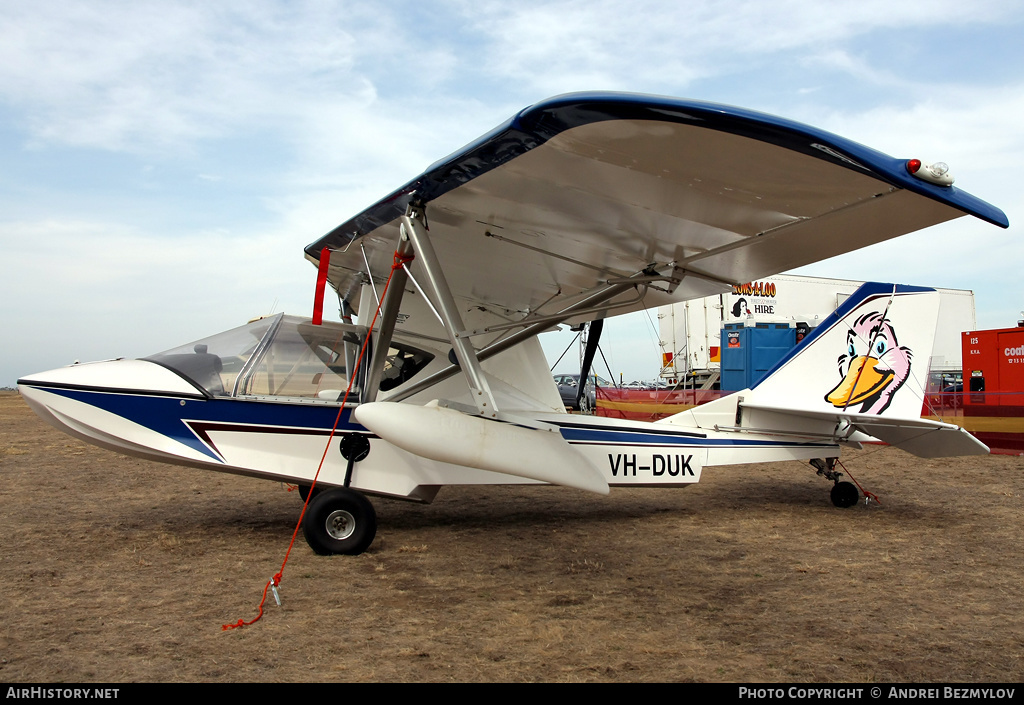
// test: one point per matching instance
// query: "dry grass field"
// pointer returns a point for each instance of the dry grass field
(121, 570)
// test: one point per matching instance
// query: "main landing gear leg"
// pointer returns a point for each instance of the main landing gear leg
(342, 520)
(843, 494)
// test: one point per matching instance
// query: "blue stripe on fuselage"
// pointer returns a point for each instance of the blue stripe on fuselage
(168, 416)
(171, 416)
(614, 436)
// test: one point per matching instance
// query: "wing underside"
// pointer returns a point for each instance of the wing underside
(584, 190)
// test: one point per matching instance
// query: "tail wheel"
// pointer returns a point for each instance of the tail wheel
(845, 494)
(339, 520)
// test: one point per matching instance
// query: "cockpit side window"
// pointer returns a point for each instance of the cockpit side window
(403, 363)
(304, 361)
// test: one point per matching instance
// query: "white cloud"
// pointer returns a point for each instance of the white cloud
(93, 290)
(121, 75)
(588, 44)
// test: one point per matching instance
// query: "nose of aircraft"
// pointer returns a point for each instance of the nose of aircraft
(94, 401)
(139, 376)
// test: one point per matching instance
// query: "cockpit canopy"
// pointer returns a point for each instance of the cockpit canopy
(287, 356)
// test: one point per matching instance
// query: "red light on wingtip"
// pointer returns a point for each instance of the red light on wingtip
(913, 165)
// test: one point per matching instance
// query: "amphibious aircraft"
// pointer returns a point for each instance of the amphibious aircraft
(576, 209)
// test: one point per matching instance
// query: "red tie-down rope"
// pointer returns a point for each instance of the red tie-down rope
(399, 261)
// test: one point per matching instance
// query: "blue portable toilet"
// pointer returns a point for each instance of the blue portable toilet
(751, 348)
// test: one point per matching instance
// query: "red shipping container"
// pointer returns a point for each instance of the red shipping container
(993, 388)
(994, 367)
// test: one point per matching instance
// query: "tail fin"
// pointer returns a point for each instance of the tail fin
(863, 370)
(870, 357)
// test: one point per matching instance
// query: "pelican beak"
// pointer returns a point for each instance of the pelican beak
(862, 382)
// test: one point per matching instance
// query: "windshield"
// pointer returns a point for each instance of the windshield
(214, 363)
(286, 356)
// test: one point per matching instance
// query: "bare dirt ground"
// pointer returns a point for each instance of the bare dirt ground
(121, 570)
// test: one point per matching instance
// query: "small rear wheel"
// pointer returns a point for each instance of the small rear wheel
(339, 520)
(845, 494)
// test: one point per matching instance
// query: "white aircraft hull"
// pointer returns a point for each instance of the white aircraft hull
(284, 441)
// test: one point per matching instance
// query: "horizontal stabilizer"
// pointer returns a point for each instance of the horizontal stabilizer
(936, 441)
(450, 436)
(922, 437)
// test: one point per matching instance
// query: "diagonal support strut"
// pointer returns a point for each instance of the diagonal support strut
(449, 312)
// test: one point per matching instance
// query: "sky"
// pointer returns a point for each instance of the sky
(162, 164)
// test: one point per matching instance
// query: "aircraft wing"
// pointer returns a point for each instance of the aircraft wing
(588, 188)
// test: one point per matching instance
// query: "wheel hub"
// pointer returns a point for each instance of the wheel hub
(340, 524)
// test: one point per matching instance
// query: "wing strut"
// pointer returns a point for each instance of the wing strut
(449, 312)
(532, 329)
(389, 308)
(593, 340)
(529, 331)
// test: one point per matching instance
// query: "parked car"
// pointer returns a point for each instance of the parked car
(952, 396)
(945, 390)
(568, 385)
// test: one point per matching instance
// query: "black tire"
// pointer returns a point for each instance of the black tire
(845, 494)
(339, 521)
(304, 492)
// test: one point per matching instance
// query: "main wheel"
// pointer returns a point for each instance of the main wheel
(339, 520)
(845, 494)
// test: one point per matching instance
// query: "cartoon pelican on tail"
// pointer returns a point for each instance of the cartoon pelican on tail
(870, 377)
